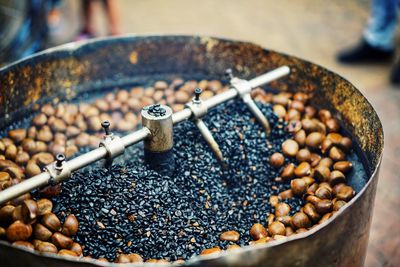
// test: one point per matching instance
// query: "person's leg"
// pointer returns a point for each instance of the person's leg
(382, 24)
(87, 30)
(378, 38)
(113, 16)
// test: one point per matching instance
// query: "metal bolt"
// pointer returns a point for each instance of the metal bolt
(106, 127)
(197, 93)
(229, 74)
(60, 158)
(157, 110)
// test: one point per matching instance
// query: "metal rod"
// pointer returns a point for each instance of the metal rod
(24, 187)
(136, 137)
(232, 93)
(182, 115)
(133, 138)
(205, 132)
(269, 76)
(74, 164)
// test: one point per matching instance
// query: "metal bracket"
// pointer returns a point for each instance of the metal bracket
(58, 170)
(243, 89)
(113, 144)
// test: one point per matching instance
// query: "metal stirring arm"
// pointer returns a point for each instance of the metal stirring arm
(199, 110)
(62, 169)
(243, 89)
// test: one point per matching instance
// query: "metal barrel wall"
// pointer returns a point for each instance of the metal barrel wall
(70, 69)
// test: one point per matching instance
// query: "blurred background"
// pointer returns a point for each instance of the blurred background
(310, 29)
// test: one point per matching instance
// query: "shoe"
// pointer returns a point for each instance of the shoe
(365, 53)
(395, 74)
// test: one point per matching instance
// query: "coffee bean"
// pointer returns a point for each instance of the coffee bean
(70, 227)
(298, 186)
(346, 143)
(288, 172)
(315, 159)
(46, 247)
(17, 135)
(258, 231)
(280, 111)
(324, 115)
(289, 231)
(290, 148)
(322, 173)
(338, 205)
(6, 215)
(332, 125)
(298, 105)
(210, 251)
(308, 180)
(18, 231)
(182, 97)
(310, 210)
(287, 194)
(66, 252)
(45, 206)
(40, 232)
(51, 221)
(336, 154)
(273, 200)
(282, 209)
(43, 159)
(286, 220)
(336, 177)
(232, 236)
(314, 140)
(61, 241)
(11, 152)
(39, 120)
(345, 193)
(324, 206)
(300, 138)
(281, 99)
(58, 125)
(276, 160)
(343, 166)
(76, 248)
(313, 199)
(300, 220)
(303, 155)
(293, 115)
(327, 162)
(323, 193)
(309, 125)
(326, 145)
(22, 158)
(335, 138)
(261, 241)
(44, 134)
(32, 169)
(303, 169)
(277, 228)
(29, 211)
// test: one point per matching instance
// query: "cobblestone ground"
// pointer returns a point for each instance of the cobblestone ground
(310, 29)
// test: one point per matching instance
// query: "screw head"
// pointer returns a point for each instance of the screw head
(229, 73)
(197, 93)
(60, 158)
(106, 127)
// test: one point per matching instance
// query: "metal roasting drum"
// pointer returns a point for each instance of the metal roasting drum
(88, 66)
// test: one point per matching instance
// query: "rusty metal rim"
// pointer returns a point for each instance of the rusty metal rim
(75, 46)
